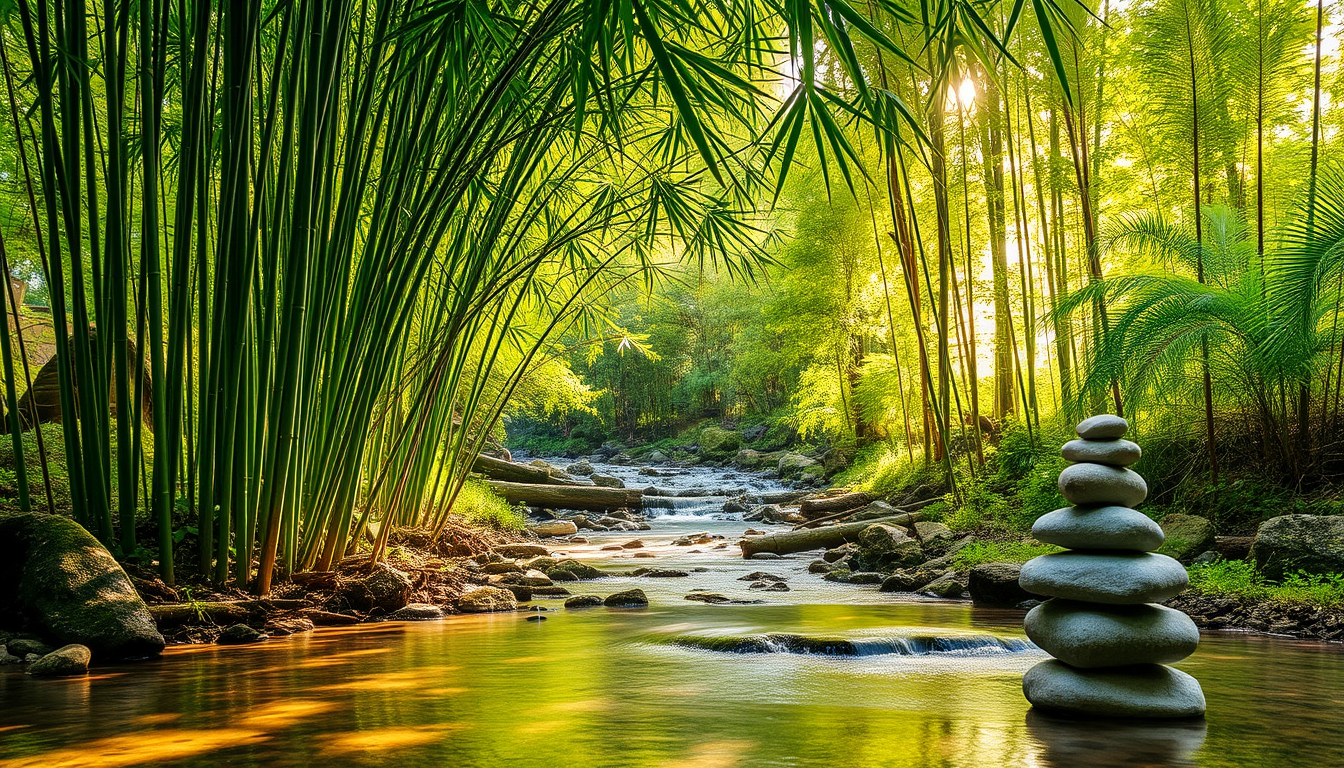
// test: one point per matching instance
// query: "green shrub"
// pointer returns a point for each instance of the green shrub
(1241, 579)
(54, 442)
(978, 552)
(480, 506)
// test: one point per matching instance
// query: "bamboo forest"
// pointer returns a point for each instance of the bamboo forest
(704, 383)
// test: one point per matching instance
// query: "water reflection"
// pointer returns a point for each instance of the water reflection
(1116, 744)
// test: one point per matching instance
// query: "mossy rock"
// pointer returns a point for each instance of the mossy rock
(65, 586)
(716, 443)
(1186, 536)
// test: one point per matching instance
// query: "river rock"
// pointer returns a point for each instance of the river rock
(719, 444)
(712, 598)
(583, 601)
(487, 600)
(521, 593)
(819, 566)
(885, 546)
(909, 580)
(665, 574)
(1291, 543)
(66, 661)
(930, 532)
(556, 574)
(239, 634)
(1102, 427)
(791, 465)
(390, 588)
(949, 586)
(1114, 578)
(1084, 484)
(63, 584)
(995, 585)
(607, 481)
(747, 458)
(580, 468)
(553, 528)
(1147, 690)
(1098, 528)
(21, 647)
(1186, 536)
(580, 569)
(1117, 453)
(506, 566)
(532, 579)
(1087, 636)
(630, 598)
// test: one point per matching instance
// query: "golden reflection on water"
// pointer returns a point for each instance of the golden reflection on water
(603, 688)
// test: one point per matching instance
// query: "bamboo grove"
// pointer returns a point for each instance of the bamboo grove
(337, 235)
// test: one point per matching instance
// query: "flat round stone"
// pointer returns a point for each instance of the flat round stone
(1102, 427)
(1085, 635)
(1100, 484)
(1099, 528)
(1146, 690)
(1117, 453)
(1114, 578)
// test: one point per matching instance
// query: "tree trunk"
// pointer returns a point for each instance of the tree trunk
(569, 496)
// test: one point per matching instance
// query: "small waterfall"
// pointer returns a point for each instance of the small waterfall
(684, 505)
(898, 645)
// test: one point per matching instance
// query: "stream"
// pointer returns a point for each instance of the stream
(821, 675)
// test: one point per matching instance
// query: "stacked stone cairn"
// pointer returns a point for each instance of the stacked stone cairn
(1109, 638)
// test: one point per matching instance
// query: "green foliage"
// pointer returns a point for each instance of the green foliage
(1241, 579)
(54, 441)
(479, 505)
(978, 552)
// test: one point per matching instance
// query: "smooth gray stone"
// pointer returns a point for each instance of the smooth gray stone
(1102, 427)
(1146, 690)
(1114, 578)
(1099, 528)
(1086, 636)
(1099, 484)
(1117, 453)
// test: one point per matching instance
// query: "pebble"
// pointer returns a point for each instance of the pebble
(1117, 453)
(1102, 427)
(1113, 578)
(1093, 484)
(1148, 690)
(1099, 528)
(1087, 636)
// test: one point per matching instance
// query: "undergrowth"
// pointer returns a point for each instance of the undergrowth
(1241, 579)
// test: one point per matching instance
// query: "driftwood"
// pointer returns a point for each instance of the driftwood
(832, 504)
(585, 497)
(179, 614)
(510, 472)
(911, 508)
(814, 538)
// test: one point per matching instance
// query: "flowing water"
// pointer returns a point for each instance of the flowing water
(821, 675)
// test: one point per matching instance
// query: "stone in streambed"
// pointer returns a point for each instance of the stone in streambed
(584, 601)
(1087, 636)
(1289, 543)
(1108, 527)
(1085, 484)
(630, 598)
(995, 585)
(239, 634)
(1146, 690)
(69, 660)
(417, 612)
(1102, 427)
(1117, 453)
(554, 528)
(580, 569)
(487, 600)
(1114, 578)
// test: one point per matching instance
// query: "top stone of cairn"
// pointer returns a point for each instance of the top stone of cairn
(1102, 427)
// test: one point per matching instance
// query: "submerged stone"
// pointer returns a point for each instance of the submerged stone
(1115, 578)
(63, 662)
(1086, 636)
(1098, 484)
(1109, 527)
(630, 598)
(1145, 690)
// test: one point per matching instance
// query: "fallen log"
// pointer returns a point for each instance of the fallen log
(175, 615)
(911, 509)
(814, 538)
(585, 497)
(782, 497)
(510, 472)
(832, 504)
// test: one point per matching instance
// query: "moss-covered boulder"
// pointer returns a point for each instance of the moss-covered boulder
(1185, 536)
(61, 583)
(1291, 543)
(719, 444)
(791, 465)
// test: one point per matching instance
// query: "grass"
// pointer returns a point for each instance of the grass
(1240, 579)
(978, 552)
(480, 506)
